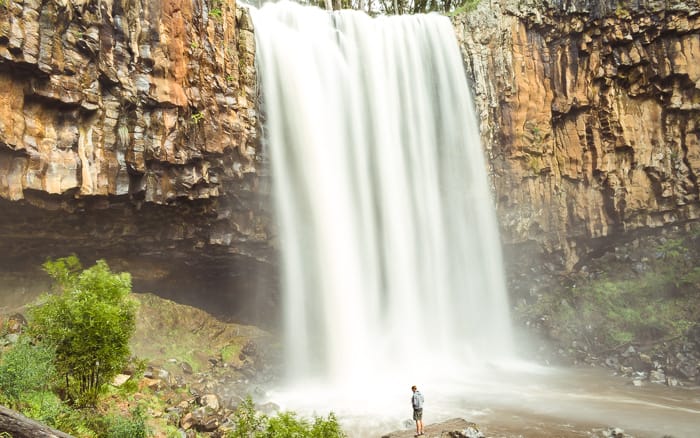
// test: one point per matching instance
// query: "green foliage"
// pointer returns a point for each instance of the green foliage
(24, 369)
(88, 321)
(617, 308)
(326, 427)
(248, 423)
(533, 163)
(125, 427)
(621, 11)
(286, 425)
(229, 352)
(216, 14)
(45, 407)
(466, 7)
(251, 424)
(131, 386)
(197, 117)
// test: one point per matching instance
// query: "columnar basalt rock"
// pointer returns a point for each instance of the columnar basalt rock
(591, 116)
(129, 127)
(125, 98)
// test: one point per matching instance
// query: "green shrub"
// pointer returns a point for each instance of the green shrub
(125, 427)
(326, 427)
(248, 423)
(287, 425)
(25, 368)
(251, 424)
(88, 321)
(45, 407)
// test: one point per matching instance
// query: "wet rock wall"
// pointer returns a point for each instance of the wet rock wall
(590, 113)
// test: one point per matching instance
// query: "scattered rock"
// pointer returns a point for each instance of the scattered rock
(16, 323)
(210, 401)
(153, 384)
(657, 376)
(120, 379)
(614, 432)
(454, 428)
(187, 421)
(186, 368)
(687, 369)
(268, 408)
(472, 432)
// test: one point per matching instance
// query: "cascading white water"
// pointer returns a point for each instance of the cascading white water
(389, 241)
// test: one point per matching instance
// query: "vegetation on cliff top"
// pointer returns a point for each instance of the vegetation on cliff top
(398, 7)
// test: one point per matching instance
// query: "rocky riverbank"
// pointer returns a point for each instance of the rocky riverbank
(190, 371)
(633, 308)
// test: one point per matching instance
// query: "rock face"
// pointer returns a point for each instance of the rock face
(590, 111)
(128, 130)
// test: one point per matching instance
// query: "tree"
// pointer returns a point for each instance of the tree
(88, 320)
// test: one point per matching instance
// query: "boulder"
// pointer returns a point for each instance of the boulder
(16, 323)
(210, 401)
(186, 368)
(657, 376)
(454, 428)
(120, 379)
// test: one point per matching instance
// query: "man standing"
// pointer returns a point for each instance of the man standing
(417, 402)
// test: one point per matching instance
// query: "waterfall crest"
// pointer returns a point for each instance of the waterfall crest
(390, 248)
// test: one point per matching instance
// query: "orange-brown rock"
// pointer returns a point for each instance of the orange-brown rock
(591, 116)
(128, 131)
(125, 98)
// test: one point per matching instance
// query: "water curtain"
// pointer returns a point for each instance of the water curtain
(390, 248)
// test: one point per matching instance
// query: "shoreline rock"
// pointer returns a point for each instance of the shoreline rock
(453, 428)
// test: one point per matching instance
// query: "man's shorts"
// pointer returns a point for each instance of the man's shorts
(418, 414)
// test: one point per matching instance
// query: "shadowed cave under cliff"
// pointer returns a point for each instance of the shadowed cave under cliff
(162, 247)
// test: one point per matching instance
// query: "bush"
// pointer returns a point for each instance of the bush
(125, 427)
(45, 407)
(25, 368)
(251, 424)
(88, 321)
(326, 427)
(248, 423)
(287, 425)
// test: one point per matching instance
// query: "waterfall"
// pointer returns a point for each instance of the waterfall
(390, 249)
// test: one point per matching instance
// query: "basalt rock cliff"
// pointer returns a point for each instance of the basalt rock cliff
(590, 112)
(128, 131)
